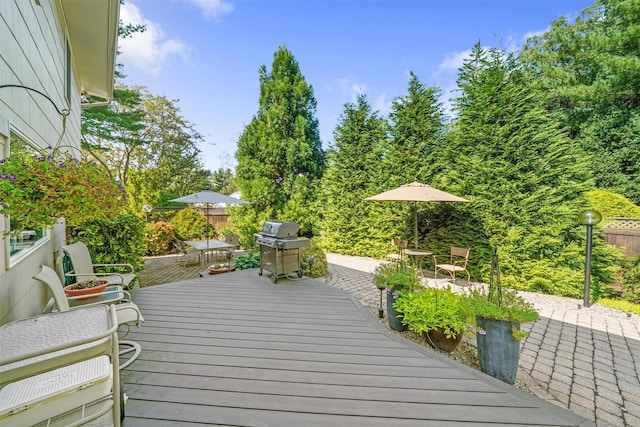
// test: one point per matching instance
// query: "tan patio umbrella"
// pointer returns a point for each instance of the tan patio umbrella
(416, 192)
(207, 198)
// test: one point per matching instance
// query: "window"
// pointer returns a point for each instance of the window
(22, 237)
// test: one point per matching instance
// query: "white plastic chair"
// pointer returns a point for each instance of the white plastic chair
(84, 268)
(127, 312)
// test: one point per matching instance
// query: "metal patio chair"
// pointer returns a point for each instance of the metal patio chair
(399, 246)
(453, 263)
(185, 254)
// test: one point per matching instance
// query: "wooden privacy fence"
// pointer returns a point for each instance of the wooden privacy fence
(623, 233)
(216, 216)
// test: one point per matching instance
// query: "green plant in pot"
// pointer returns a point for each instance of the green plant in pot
(440, 315)
(395, 279)
(498, 315)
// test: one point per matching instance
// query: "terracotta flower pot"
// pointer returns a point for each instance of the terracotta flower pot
(70, 291)
(221, 269)
(438, 339)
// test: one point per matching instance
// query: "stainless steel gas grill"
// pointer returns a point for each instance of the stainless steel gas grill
(280, 249)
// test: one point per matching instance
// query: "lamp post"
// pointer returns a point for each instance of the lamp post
(146, 209)
(588, 218)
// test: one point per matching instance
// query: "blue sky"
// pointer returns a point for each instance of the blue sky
(206, 53)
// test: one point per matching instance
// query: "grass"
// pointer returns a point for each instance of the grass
(622, 305)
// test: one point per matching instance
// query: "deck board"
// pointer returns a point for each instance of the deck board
(235, 349)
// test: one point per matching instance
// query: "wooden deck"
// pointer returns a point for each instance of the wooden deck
(235, 349)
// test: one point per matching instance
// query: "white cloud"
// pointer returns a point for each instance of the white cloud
(381, 104)
(149, 50)
(454, 60)
(349, 89)
(357, 89)
(534, 34)
(212, 9)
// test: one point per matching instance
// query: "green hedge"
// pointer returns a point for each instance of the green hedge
(113, 241)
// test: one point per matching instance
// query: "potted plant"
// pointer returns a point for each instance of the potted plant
(498, 316)
(87, 287)
(221, 268)
(440, 315)
(396, 279)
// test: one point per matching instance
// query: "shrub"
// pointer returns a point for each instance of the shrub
(621, 305)
(631, 280)
(247, 261)
(319, 266)
(613, 205)
(113, 241)
(433, 308)
(190, 224)
(38, 189)
(392, 275)
(158, 237)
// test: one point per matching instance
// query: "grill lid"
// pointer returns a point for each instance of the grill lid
(280, 230)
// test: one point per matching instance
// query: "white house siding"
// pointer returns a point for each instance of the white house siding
(32, 53)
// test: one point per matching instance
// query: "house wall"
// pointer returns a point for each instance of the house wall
(33, 53)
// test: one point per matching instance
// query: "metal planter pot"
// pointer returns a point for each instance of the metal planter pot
(498, 350)
(395, 323)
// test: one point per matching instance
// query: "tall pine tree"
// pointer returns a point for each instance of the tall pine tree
(589, 70)
(417, 134)
(523, 174)
(280, 153)
(417, 127)
(351, 225)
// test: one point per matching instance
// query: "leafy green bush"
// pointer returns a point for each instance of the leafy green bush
(393, 275)
(435, 308)
(631, 280)
(158, 237)
(613, 205)
(247, 261)
(621, 305)
(190, 224)
(319, 266)
(113, 241)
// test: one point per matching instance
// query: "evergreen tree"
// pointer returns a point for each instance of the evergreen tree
(523, 175)
(350, 224)
(588, 70)
(417, 127)
(279, 153)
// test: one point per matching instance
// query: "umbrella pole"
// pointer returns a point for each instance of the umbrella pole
(207, 216)
(415, 223)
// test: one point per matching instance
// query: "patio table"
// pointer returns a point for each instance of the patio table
(205, 246)
(417, 255)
